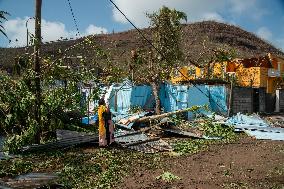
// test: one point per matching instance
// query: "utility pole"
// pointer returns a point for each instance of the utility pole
(37, 69)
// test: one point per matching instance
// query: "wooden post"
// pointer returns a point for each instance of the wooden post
(37, 69)
(90, 91)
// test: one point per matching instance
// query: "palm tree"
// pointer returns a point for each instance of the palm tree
(3, 15)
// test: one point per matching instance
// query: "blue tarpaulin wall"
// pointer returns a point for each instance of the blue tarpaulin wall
(217, 98)
(124, 96)
(173, 97)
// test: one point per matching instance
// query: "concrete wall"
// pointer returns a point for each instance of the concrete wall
(270, 102)
(262, 104)
(249, 100)
(242, 100)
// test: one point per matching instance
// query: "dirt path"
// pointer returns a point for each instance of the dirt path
(245, 164)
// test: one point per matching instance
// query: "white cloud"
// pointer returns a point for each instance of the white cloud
(264, 33)
(51, 31)
(213, 16)
(92, 29)
(195, 10)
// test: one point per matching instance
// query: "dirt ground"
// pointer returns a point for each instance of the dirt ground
(248, 163)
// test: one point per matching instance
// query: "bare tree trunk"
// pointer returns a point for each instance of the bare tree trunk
(156, 89)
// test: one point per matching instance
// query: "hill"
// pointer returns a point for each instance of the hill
(118, 45)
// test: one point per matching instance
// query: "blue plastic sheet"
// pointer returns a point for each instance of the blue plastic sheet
(90, 120)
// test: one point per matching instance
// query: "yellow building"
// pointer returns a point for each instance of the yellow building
(185, 73)
(266, 71)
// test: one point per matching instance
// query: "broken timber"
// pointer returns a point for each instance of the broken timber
(141, 142)
(155, 117)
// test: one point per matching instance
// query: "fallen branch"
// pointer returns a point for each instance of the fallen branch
(154, 117)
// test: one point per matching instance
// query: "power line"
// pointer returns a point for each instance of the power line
(140, 32)
(74, 19)
(148, 41)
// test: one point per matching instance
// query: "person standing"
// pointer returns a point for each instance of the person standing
(106, 129)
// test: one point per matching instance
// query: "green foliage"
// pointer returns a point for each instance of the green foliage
(151, 65)
(181, 118)
(166, 32)
(155, 65)
(212, 129)
(60, 94)
(14, 167)
(77, 169)
(166, 25)
(191, 146)
(177, 119)
(16, 102)
(17, 93)
(168, 177)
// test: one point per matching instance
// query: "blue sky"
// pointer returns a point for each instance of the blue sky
(262, 17)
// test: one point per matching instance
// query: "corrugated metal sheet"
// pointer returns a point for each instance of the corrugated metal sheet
(266, 135)
(255, 126)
